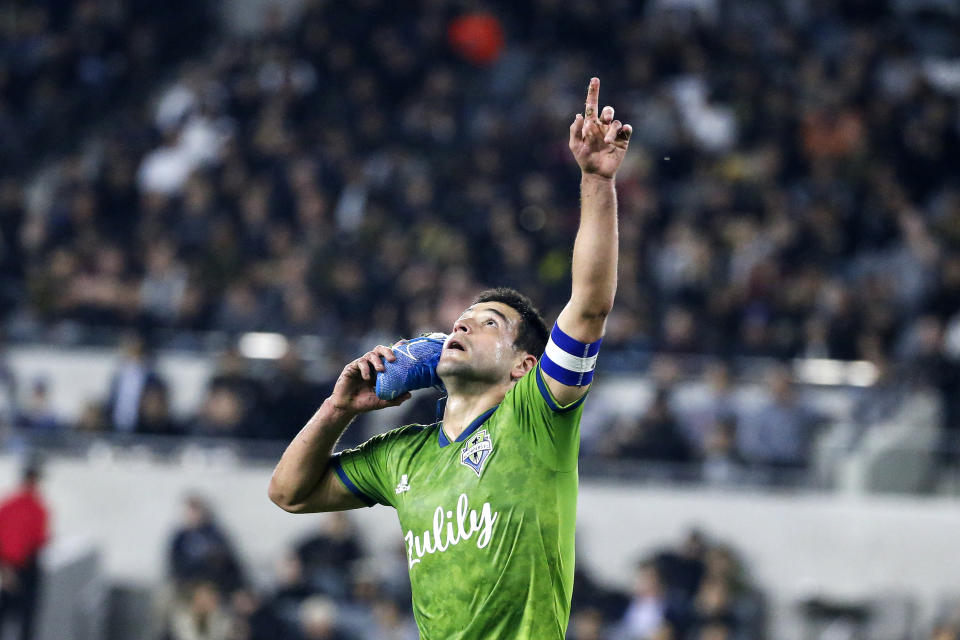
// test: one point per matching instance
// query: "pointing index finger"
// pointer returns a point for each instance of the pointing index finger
(593, 98)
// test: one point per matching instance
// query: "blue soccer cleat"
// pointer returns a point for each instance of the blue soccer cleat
(414, 368)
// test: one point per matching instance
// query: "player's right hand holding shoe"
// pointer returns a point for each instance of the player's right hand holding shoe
(355, 390)
(415, 366)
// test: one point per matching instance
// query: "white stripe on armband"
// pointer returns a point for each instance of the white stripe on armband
(569, 361)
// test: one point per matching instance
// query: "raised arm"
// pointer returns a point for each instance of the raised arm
(599, 144)
(303, 481)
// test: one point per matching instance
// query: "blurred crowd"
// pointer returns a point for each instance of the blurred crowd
(791, 188)
(63, 62)
(721, 431)
(712, 423)
(329, 586)
(718, 431)
(355, 176)
(728, 430)
(699, 590)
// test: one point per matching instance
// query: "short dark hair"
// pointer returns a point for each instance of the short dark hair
(532, 334)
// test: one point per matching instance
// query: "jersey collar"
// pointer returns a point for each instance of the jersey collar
(444, 441)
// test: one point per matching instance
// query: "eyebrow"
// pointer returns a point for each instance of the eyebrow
(505, 320)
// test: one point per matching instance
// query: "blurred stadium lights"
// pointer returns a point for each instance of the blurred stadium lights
(262, 346)
(822, 371)
(861, 373)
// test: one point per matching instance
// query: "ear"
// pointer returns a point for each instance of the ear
(524, 366)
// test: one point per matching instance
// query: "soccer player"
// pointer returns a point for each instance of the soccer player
(487, 497)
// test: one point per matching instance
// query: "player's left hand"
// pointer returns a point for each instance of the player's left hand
(598, 142)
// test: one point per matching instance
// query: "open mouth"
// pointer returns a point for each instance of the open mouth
(454, 344)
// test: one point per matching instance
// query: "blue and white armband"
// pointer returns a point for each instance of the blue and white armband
(569, 361)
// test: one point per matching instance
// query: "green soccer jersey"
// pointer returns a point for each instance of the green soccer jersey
(488, 520)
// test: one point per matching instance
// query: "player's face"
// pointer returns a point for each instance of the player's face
(480, 348)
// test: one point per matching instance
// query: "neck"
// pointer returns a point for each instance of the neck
(464, 405)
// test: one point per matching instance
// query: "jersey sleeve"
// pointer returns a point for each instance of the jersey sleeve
(552, 428)
(364, 470)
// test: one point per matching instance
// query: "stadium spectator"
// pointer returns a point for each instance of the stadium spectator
(883, 398)
(743, 603)
(291, 589)
(254, 618)
(154, 416)
(927, 358)
(587, 624)
(318, 620)
(232, 372)
(683, 569)
(590, 595)
(779, 432)
(135, 372)
(390, 622)
(36, 413)
(653, 611)
(200, 551)
(655, 436)
(393, 574)
(290, 398)
(8, 390)
(715, 629)
(326, 556)
(712, 607)
(357, 609)
(164, 286)
(224, 414)
(235, 403)
(92, 419)
(715, 404)
(200, 615)
(11, 252)
(23, 535)
(722, 464)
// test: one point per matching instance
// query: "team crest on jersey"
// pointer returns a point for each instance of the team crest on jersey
(476, 451)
